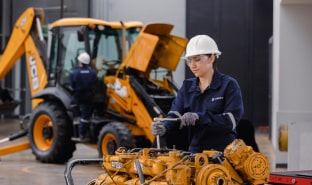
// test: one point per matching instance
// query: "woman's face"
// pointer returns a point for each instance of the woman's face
(200, 65)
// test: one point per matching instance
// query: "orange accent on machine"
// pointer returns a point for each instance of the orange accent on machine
(237, 165)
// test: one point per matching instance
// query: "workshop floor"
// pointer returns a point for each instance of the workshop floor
(22, 168)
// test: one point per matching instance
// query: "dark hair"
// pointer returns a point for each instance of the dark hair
(209, 54)
(84, 65)
(214, 65)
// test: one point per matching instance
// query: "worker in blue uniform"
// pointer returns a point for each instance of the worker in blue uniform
(210, 105)
(83, 80)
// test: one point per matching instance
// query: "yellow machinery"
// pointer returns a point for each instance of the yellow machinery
(283, 138)
(129, 59)
(133, 64)
(139, 91)
(237, 165)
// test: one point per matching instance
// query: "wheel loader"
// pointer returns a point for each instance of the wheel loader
(133, 64)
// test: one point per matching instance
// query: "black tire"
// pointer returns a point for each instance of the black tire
(50, 134)
(114, 135)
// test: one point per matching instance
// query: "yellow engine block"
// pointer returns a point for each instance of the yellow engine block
(239, 164)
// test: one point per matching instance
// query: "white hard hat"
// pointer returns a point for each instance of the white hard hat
(201, 44)
(84, 58)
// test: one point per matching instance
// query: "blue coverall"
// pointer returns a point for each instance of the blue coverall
(83, 80)
(219, 107)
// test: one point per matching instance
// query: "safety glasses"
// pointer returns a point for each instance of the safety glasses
(197, 59)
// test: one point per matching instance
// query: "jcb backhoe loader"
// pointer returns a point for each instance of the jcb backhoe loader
(126, 99)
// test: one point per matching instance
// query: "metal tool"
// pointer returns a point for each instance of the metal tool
(163, 119)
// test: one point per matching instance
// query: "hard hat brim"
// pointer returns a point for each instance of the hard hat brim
(190, 55)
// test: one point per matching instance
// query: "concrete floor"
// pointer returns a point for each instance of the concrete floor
(22, 168)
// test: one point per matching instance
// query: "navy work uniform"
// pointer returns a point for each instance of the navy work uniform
(219, 107)
(83, 80)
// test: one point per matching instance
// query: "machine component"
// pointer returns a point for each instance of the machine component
(7, 103)
(20, 146)
(73, 163)
(138, 91)
(238, 165)
(250, 165)
(283, 138)
(134, 85)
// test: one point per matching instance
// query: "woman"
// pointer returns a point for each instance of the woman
(210, 104)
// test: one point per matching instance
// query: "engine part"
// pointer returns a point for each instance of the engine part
(239, 164)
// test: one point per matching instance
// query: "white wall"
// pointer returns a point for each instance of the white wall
(146, 11)
(292, 66)
(299, 150)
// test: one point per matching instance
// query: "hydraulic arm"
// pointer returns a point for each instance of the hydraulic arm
(27, 38)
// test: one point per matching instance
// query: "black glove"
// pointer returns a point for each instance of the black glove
(158, 128)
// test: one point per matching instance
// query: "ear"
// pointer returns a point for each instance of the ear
(212, 58)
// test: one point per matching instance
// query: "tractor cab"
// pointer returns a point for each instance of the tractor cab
(103, 41)
(106, 43)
